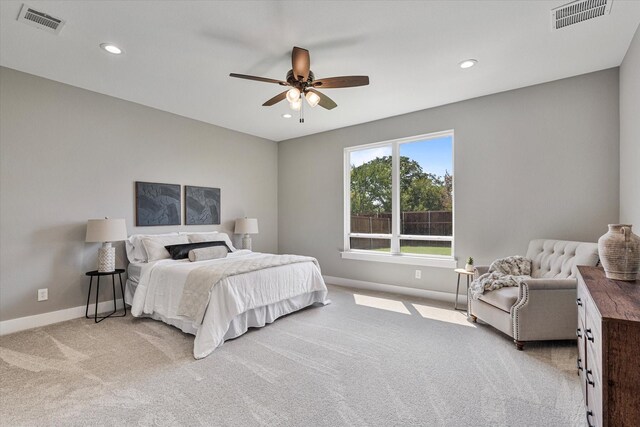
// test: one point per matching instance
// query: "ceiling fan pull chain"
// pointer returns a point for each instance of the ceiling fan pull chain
(301, 109)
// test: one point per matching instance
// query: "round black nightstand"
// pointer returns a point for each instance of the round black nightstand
(97, 274)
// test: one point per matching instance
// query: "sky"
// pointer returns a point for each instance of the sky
(434, 155)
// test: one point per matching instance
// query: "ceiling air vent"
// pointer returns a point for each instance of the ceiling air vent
(40, 20)
(578, 11)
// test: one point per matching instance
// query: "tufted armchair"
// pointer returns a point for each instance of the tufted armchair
(543, 308)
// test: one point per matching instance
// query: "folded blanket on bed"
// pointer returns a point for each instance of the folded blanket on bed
(197, 288)
(510, 271)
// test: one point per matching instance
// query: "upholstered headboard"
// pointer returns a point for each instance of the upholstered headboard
(557, 259)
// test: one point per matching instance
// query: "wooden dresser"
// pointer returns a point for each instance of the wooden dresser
(609, 348)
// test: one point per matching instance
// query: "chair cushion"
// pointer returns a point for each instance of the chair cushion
(503, 298)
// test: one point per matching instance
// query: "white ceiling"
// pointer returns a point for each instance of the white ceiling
(178, 54)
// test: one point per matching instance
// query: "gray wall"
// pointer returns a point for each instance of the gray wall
(630, 135)
(541, 161)
(68, 155)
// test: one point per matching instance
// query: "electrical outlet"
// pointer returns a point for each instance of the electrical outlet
(43, 294)
(418, 274)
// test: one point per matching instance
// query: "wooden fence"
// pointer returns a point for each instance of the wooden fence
(429, 223)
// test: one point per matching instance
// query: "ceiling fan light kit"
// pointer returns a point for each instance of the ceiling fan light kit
(293, 94)
(296, 105)
(312, 98)
(302, 82)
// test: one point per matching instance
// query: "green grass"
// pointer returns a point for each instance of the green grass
(420, 250)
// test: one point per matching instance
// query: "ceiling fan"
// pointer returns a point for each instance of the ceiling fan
(303, 83)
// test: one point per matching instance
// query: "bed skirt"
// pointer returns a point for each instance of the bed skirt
(254, 318)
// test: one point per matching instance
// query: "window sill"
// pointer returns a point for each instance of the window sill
(427, 261)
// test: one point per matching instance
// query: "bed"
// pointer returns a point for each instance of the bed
(236, 303)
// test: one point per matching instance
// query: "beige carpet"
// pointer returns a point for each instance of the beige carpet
(360, 361)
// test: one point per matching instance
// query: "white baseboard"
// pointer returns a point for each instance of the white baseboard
(28, 322)
(414, 292)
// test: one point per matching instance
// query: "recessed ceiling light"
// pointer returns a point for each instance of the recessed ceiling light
(286, 116)
(468, 63)
(111, 48)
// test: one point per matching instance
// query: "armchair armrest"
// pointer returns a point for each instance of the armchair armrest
(551, 284)
(479, 271)
(545, 310)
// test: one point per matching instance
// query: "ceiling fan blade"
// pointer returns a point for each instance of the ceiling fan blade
(279, 97)
(300, 63)
(344, 81)
(325, 101)
(259, 79)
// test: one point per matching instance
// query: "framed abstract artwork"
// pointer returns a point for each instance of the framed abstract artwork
(157, 204)
(202, 205)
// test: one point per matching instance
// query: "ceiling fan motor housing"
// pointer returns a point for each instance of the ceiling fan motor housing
(297, 83)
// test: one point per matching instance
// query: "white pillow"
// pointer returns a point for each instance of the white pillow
(155, 246)
(211, 237)
(135, 248)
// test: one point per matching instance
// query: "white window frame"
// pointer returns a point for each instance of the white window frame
(395, 256)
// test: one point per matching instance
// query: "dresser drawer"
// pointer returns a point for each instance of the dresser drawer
(593, 330)
(582, 360)
(581, 299)
(593, 384)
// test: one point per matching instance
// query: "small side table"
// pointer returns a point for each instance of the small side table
(97, 274)
(462, 271)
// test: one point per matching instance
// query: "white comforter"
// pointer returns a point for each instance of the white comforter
(161, 283)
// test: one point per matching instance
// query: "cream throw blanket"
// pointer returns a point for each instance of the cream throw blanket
(197, 288)
(510, 271)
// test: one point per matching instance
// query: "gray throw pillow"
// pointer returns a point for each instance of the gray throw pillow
(212, 252)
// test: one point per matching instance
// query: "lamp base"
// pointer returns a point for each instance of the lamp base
(106, 258)
(246, 242)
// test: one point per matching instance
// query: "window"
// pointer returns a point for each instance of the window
(399, 200)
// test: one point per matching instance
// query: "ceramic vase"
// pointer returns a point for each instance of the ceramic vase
(468, 267)
(619, 251)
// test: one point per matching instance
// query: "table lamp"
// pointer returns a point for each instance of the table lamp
(246, 226)
(106, 231)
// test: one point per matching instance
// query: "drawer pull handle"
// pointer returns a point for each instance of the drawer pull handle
(590, 414)
(590, 378)
(579, 364)
(579, 302)
(589, 334)
(578, 334)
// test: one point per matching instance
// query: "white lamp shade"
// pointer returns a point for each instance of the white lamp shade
(246, 226)
(106, 230)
